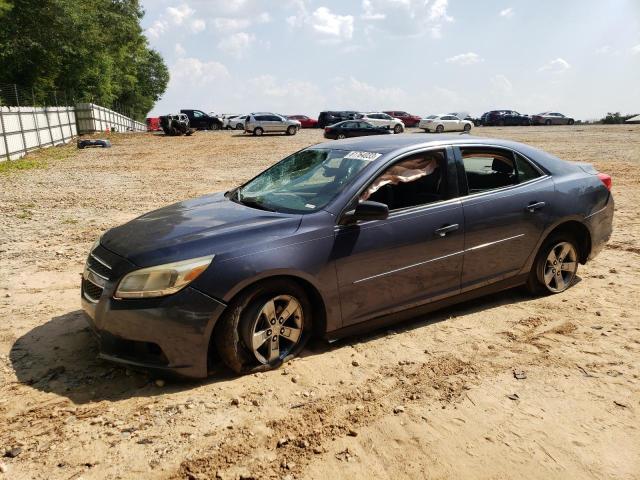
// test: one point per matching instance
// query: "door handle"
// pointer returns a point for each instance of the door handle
(532, 207)
(442, 231)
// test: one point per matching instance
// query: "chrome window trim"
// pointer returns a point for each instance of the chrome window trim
(503, 189)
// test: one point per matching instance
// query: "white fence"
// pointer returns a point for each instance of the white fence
(23, 129)
(27, 128)
(94, 118)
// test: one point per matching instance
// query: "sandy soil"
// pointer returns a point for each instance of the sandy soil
(433, 398)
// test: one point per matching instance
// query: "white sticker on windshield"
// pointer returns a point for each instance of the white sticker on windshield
(368, 156)
(310, 205)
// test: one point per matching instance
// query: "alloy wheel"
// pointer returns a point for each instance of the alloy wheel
(277, 329)
(560, 267)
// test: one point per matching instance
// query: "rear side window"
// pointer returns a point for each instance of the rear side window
(492, 168)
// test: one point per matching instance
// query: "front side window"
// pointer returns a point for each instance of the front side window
(303, 182)
(198, 114)
(492, 168)
(416, 180)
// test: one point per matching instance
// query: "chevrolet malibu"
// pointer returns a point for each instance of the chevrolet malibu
(336, 239)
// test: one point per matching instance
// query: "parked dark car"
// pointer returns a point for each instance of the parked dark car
(501, 118)
(408, 119)
(354, 128)
(305, 122)
(202, 121)
(176, 124)
(331, 117)
(552, 118)
(339, 238)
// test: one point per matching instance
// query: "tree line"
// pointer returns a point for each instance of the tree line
(93, 49)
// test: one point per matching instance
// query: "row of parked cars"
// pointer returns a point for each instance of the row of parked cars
(189, 120)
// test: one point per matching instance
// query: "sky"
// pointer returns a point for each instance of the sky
(578, 57)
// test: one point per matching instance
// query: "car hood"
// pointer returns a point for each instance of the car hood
(211, 224)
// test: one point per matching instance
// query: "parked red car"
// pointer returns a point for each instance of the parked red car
(408, 119)
(153, 124)
(305, 122)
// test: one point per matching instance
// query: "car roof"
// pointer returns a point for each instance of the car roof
(393, 145)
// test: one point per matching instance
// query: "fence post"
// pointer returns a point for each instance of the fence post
(35, 117)
(24, 140)
(4, 136)
(55, 97)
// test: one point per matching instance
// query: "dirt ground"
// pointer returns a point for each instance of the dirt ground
(432, 398)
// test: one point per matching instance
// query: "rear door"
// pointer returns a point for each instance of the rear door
(506, 209)
(412, 257)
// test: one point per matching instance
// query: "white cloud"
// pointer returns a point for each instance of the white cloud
(331, 24)
(501, 85)
(179, 49)
(179, 14)
(605, 49)
(231, 24)
(635, 50)
(507, 12)
(465, 59)
(157, 29)
(558, 65)
(193, 71)
(358, 95)
(237, 44)
(406, 18)
(198, 25)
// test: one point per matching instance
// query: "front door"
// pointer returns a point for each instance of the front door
(412, 257)
(505, 212)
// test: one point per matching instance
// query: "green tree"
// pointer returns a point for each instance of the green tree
(5, 6)
(94, 50)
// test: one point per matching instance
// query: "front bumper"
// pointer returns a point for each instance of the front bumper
(168, 334)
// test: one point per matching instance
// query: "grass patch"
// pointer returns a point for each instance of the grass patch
(38, 158)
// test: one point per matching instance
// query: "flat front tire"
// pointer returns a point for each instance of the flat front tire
(264, 327)
(555, 267)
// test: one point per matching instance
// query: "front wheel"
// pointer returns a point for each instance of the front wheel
(215, 126)
(264, 327)
(397, 129)
(291, 130)
(467, 127)
(570, 122)
(341, 136)
(555, 266)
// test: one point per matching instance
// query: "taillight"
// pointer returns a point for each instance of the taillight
(606, 179)
(326, 129)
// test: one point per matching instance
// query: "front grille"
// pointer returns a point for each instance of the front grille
(93, 263)
(91, 290)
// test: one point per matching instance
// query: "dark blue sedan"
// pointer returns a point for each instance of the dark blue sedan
(339, 238)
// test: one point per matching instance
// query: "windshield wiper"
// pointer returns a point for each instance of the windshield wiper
(255, 203)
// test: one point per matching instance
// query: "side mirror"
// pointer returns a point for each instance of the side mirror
(365, 211)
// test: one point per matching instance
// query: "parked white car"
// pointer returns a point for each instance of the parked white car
(444, 123)
(226, 118)
(380, 119)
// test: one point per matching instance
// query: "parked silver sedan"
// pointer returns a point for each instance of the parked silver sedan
(266, 122)
(551, 118)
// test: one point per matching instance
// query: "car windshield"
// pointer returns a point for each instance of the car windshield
(303, 182)
(432, 116)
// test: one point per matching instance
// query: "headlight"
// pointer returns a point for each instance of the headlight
(163, 279)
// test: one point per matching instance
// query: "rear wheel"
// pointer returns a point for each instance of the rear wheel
(439, 129)
(341, 136)
(397, 129)
(215, 126)
(240, 126)
(264, 327)
(555, 266)
(258, 131)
